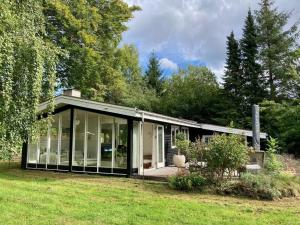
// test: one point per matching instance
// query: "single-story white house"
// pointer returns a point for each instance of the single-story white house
(93, 137)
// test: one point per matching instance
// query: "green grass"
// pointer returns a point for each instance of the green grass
(38, 197)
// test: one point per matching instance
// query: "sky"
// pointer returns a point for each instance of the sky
(183, 32)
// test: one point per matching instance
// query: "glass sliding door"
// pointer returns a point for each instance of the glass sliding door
(43, 147)
(92, 140)
(54, 141)
(64, 138)
(120, 151)
(107, 141)
(79, 140)
(160, 147)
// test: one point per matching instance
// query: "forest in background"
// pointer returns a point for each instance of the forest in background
(46, 46)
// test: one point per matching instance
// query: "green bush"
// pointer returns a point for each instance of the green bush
(272, 164)
(227, 153)
(262, 186)
(187, 182)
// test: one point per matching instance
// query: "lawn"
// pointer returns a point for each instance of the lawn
(38, 197)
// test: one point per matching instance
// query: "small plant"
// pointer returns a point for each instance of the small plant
(182, 144)
(272, 164)
(189, 182)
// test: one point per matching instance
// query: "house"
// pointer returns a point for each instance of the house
(93, 137)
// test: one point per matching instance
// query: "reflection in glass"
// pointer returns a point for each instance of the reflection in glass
(79, 138)
(107, 144)
(92, 139)
(65, 138)
(54, 140)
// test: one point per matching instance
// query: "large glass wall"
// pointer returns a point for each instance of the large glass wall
(51, 148)
(100, 143)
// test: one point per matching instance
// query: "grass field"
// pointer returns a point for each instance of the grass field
(38, 197)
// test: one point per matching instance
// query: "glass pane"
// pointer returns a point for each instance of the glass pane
(135, 145)
(43, 147)
(65, 138)
(173, 137)
(54, 140)
(121, 143)
(160, 144)
(79, 138)
(32, 152)
(92, 134)
(106, 136)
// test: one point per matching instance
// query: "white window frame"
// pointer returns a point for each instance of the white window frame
(176, 130)
(206, 136)
(185, 131)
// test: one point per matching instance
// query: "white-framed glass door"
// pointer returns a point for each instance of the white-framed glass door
(160, 146)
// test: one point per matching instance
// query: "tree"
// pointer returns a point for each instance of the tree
(27, 71)
(90, 32)
(276, 49)
(233, 74)
(253, 84)
(192, 93)
(282, 121)
(154, 74)
(137, 93)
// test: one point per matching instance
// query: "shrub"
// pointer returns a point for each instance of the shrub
(262, 186)
(272, 164)
(187, 182)
(182, 144)
(227, 153)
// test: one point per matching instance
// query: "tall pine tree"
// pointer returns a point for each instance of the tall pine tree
(233, 74)
(277, 47)
(253, 85)
(154, 74)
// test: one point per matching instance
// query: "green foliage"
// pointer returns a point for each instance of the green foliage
(276, 50)
(262, 186)
(227, 153)
(187, 182)
(253, 89)
(90, 32)
(233, 79)
(28, 63)
(282, 121)
(137, 93)
(272, 164)
(194, 93)
(182, 144)
(154, 74)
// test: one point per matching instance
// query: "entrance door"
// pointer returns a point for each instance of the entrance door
(160, 146)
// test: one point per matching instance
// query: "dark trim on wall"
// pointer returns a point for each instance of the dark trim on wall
(102, 112)
(58, 110)
(71, 138)
(129, 147)
(24, 155)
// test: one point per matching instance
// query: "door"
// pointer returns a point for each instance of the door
(160, 154)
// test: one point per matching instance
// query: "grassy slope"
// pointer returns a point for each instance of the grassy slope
(33, 197)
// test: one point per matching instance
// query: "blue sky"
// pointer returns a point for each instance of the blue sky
(183, 32)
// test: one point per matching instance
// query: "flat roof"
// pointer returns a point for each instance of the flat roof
(63, 100)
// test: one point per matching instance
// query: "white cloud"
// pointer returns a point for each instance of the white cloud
(166, 63)
(192, 30)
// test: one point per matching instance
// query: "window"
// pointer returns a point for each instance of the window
(174, 132)
(185, 131)
(206, 138)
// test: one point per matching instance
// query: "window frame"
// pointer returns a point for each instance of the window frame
(176, 131)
